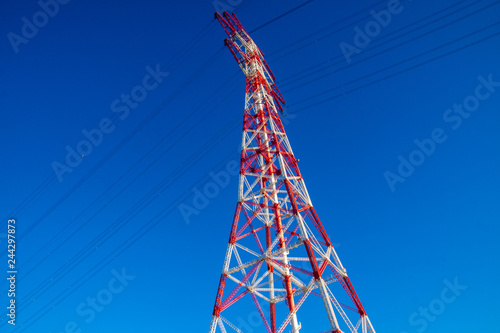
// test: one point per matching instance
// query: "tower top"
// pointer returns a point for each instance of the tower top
(248, 56)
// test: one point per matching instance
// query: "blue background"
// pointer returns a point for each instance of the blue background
(119, 208)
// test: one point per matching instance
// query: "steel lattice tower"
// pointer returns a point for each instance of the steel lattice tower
(279, 255)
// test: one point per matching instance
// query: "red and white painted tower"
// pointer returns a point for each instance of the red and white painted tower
(279, 258)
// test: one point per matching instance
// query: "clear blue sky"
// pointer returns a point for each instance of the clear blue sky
(352, 124)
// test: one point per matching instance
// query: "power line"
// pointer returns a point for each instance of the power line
(134, 167)
(281, 16)
(391, 48)
(122, 143)
(51, 179)
(147, 199)
(133, 211)
(394, 74)
(378, 43)
(315, 33)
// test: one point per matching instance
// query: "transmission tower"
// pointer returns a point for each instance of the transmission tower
(279, 255)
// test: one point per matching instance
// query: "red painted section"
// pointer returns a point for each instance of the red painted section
(355, 296)
(234, 227)
(228, 28)
(321, 229)
(312, 259)
(218, 298)
(273, 317)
